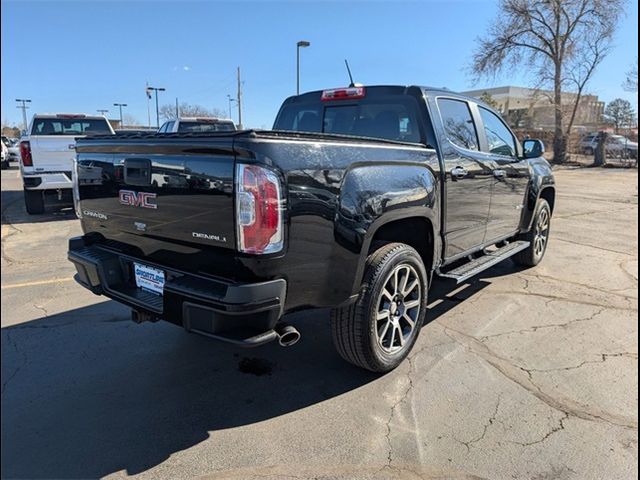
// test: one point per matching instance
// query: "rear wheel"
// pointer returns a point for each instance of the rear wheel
(379, 330)
(34, 201)
(537, 236)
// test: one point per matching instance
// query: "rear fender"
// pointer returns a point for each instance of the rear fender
(374, 195)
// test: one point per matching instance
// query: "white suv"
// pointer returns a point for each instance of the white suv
(47, 153)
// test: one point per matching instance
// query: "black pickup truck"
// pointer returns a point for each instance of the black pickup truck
(354, 200)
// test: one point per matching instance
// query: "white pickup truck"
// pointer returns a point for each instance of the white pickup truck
(197, 125)
(47, 152)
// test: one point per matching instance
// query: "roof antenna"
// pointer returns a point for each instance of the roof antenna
(352, 84)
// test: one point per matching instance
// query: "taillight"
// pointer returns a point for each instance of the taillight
(342, 94)
(259, 210)
(25, 154)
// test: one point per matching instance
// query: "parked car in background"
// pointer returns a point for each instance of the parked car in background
(13, 149)
(616, 146)
(197, 125)
(47, 153)
(354, 201)
(4, 159)
(135, 131)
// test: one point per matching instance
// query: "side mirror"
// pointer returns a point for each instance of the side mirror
(533, 148)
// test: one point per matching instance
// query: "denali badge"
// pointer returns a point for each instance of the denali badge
(208, 236)
(137, 199)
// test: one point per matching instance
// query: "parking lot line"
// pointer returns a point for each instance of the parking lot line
(33, 284)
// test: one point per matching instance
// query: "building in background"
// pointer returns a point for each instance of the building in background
(533, 109)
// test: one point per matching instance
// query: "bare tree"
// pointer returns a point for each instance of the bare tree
(562, 42)
(489, 100)
(130, 121)
(168, 112)
(631, 82)
(620, 113)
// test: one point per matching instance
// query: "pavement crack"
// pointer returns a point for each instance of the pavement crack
(535, 328)
(392, 413)
(11, 341)
(593, 246)
(551, 432)
(524, 378)
(469, 443)
(42, 309)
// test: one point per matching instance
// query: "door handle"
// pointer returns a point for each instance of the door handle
(458, 172)
(499, 173)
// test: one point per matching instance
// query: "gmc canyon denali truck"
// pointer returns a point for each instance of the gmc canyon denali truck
(47, 153)
(354, 200)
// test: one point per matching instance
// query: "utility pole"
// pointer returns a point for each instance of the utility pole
(177, 109)
(239, 100)
(120, 105)
(24, 108)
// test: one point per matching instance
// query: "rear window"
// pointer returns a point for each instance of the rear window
(389, 119)
(204, 127)
(69, 126)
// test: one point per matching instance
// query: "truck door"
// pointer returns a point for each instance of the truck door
(468, 177)
(510, 176)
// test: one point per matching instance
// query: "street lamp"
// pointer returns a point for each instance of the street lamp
(102, 112)
(24, 108)
(299, 45)
(230, 100)
(157, 89)
(120, 105)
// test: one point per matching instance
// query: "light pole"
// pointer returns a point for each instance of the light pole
(157, 89)
(230, 100)
(299, 45)
(102, 112)
(120, 105)
(24, 107)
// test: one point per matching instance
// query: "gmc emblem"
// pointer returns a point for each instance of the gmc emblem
(137, 199)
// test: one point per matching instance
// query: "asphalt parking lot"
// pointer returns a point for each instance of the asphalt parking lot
(518, 374)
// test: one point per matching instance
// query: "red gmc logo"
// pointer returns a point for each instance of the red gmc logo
(138, 199)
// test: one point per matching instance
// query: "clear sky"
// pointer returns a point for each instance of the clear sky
(80, 56)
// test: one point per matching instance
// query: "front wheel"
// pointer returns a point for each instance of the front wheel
(537, 236)
(379, 330)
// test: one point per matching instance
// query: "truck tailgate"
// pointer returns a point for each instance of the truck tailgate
(52, 153)
(179, 192)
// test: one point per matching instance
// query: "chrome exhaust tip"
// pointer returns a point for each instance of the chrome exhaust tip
(287, 335)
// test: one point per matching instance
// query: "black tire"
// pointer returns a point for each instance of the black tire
(5, 164)
(34, 201)
(356, 328)
(533, 255)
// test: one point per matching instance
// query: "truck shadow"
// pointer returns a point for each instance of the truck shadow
(86, 393)
(14, 213)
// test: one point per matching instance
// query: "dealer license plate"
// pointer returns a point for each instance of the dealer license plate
(148, 278)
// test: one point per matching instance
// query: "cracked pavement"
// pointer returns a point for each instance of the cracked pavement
(528, 374)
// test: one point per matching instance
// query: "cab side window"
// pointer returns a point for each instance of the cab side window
(458, 123)
(499, 137)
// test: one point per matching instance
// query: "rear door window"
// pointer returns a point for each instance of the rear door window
(458, 123)
(499, 137)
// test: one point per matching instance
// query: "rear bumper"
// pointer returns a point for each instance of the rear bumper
(47, 181)
(243, 314)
